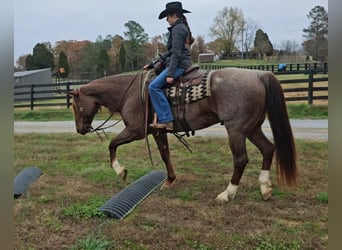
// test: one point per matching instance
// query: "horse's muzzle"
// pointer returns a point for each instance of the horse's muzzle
(85, 129)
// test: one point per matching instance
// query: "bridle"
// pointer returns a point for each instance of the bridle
(101, 127)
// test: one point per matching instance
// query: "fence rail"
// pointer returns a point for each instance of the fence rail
(270, 67)
(32, 95)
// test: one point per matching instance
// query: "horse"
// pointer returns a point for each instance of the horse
(240, 99)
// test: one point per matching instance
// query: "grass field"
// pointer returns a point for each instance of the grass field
(60, 210)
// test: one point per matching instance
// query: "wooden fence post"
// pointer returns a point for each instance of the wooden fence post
(32, 96)
(310, 87)
(67, 94)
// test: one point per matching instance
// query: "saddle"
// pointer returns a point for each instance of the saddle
(192, 75)
(191, 86)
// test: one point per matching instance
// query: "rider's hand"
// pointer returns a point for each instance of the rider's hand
(169, 79)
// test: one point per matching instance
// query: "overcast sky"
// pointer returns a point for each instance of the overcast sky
(41, 21)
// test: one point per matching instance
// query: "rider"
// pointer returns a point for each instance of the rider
(177, 59)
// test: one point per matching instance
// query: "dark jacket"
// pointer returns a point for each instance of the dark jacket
(178, 55)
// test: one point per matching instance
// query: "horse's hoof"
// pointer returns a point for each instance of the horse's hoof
(266, 193)
(222, 198)
(167, 184)
(123, 175)
(266, 190)
(267, 196)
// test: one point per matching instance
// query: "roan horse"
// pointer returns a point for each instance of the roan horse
(240, 99)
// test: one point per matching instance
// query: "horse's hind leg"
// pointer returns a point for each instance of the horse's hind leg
(237, 142)
(266, 148)
(163, 146)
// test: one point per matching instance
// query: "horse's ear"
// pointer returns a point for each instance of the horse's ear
(89, 90)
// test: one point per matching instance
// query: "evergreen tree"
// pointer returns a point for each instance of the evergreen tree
(122, 57)
(136, 39)
(29, 62)
(102, 63)
(63, 65)
(262, 44)
(41, 58)
(316, 43)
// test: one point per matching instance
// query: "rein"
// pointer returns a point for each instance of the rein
(100, 127)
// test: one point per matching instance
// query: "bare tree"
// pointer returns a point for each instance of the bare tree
(248, 34)
(158, 44)
(20, 63)
(198, 47)
(289, 47)
(227, 27)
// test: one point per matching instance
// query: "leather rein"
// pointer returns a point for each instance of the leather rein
(100, 127)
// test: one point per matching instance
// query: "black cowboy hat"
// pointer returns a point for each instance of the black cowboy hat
(172, 7)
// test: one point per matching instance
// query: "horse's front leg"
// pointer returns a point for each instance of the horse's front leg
(163, 146)
(124, 137)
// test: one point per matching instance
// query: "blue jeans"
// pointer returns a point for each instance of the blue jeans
(160, 103)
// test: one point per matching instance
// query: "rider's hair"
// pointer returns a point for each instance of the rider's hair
(190, 39)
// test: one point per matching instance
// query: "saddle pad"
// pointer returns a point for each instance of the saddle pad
(192, 92)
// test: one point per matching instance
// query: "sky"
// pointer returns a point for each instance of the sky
(39, 21)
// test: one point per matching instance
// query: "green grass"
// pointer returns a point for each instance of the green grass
(305, 111)
(322, 197)
(92, 242)
(85, 210)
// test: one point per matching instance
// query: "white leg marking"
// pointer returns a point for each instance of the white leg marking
(228, 194)
(117, 168)
(265, 184)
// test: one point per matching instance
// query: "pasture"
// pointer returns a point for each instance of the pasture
(60, 210)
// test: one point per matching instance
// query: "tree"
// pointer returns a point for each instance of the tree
(289, 47)
(215, 46)
(41, 58)
(29, 62)
(102, 63)
(262, 44)
(122, 57)
(136, 39)
(248, 34)
(72, 49)
(316, 43)
(158, 43)
(21, 63)
(63, 65)
(197, 48)
(227, 26)
(87, 64)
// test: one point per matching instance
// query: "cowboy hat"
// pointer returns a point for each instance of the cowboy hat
(172, 7)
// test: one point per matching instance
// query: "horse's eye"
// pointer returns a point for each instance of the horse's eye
(81, 109)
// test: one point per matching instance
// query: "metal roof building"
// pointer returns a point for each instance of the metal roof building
(23, 80)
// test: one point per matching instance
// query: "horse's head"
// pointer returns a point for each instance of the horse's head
(85, 108)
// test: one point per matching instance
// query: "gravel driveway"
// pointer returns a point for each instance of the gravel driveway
(302, 129)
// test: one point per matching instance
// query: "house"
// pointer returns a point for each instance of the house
(24, 79)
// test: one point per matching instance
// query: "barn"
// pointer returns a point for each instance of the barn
(206, 57)
(23, 80)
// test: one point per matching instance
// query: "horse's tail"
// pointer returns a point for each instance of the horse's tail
(282, 133)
